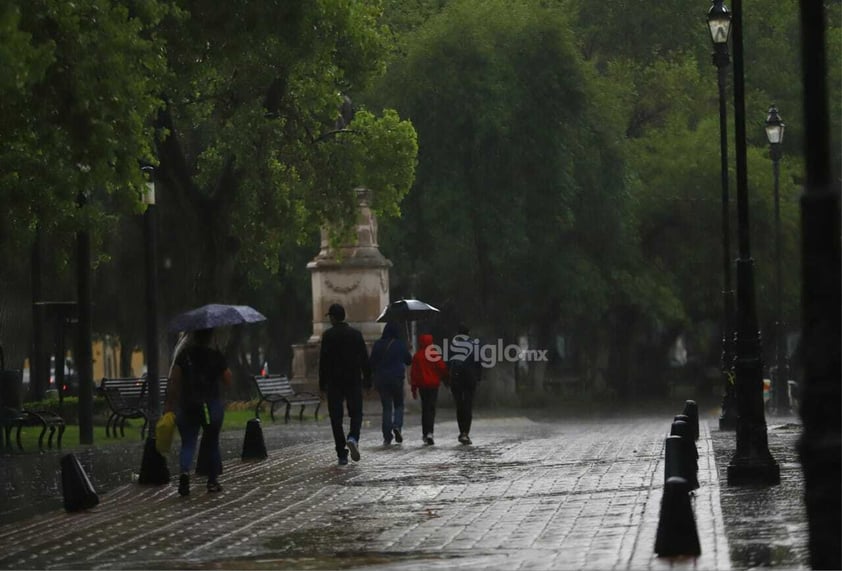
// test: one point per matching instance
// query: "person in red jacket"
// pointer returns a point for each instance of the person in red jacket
(428, 370)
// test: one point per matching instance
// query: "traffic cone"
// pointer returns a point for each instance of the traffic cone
(76, 487)
(254, 447)
(691, 455)
(691, 409)
(153, 466)
(677, 535)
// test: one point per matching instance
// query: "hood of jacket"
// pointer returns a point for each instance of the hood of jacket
(425, 341)
(391, 331)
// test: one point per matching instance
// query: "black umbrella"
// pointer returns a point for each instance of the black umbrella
(407, 310)
(214, 315)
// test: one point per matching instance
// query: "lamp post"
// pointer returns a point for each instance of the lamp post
(84, 338)
(775, 135)
(719, 24)
(151, 262)
(820, 446)
(752, 463)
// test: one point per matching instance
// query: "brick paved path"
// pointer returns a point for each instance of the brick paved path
(564, 494)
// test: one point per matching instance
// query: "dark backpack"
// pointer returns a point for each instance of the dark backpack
(194, 390)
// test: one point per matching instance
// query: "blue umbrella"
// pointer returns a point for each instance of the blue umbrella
(214, 315)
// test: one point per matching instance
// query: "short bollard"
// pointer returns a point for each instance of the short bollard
(76, 487)
(691, 455)
(153, 466)
(691, 410)
(254, 447)
(203, 458)
(675, 465)
(677, 535)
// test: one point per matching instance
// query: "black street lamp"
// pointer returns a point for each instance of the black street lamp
(151, 262)
(752, 463)
(820, 445)
(775, 135)
(719, 23)
(84, 337)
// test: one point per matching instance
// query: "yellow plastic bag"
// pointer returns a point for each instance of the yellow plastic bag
(164, 433)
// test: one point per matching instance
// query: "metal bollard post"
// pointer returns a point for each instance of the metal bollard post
(677, 534)
(691, 410)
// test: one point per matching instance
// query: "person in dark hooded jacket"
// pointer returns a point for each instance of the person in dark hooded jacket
(389, 358)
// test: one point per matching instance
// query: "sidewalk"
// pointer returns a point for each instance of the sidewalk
(766, 525)
(555, 494)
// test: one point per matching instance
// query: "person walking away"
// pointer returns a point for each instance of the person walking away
(465, 373)
(343, 372)
(195, 395)
(389, 358)
(428, 370)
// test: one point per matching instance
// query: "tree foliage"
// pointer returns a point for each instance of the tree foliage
(79, 86)
(519, 207)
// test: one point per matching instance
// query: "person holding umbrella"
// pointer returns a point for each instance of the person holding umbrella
(195, 385)
(389, 358)
(343, 372)
(195, 395)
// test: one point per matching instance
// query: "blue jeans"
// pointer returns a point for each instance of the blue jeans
(391, 397)
(188, 427)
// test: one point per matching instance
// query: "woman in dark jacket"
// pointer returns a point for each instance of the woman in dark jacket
(195, 395)
(389, 358)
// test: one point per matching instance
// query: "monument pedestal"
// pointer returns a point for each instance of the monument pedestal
(354, 275)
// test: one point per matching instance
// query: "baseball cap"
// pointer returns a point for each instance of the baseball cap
(337, 311)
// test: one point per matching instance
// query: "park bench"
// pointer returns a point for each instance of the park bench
(13, 415)
(276, 389)
(13, 418)
(127, 399)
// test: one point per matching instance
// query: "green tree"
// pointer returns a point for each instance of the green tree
(519, 219)
(77, 89)
(252, 159)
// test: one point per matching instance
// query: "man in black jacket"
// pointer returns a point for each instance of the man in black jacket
(465, 372)
(343, 372)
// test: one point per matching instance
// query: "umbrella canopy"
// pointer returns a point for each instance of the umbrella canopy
(407, 310)
(214, 315)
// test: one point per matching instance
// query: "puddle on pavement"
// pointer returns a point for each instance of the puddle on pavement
(336, 560)
(751, 555)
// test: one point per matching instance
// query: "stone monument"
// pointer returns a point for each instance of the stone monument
(355, 275)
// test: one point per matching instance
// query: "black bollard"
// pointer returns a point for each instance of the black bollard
(76, 487)
(203, 460)
(691, 455)
(675, 465)
(691, 410)
(677, 535)
(254, 447)
(153, 466)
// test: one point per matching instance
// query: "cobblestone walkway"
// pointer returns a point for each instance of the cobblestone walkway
(566, 494)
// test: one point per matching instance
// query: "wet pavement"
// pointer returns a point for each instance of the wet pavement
(766, 525)
(533, 492)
